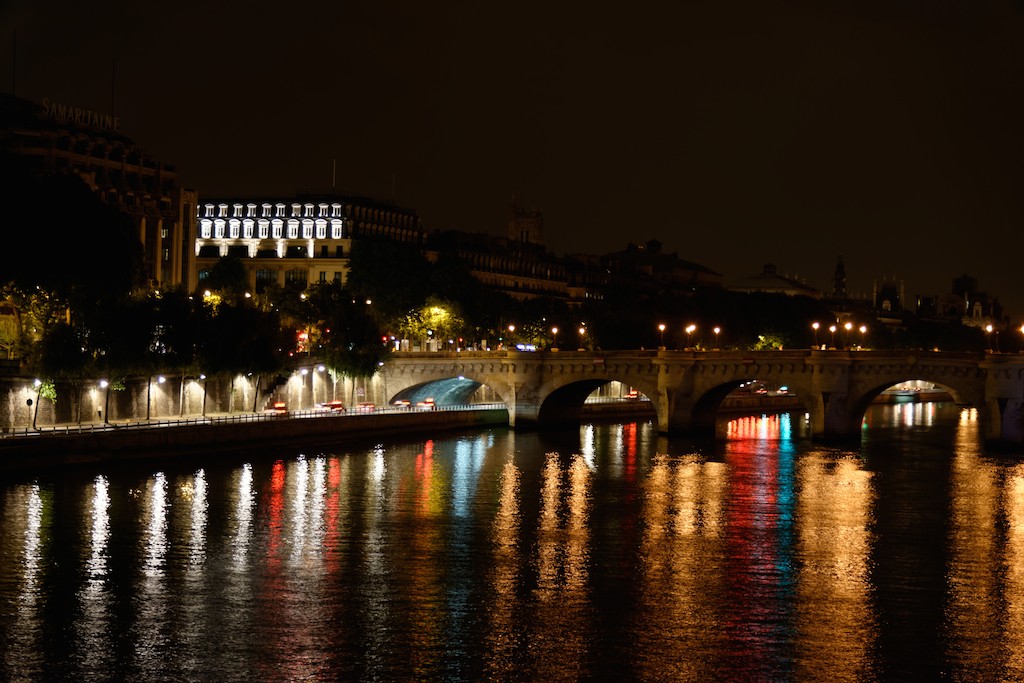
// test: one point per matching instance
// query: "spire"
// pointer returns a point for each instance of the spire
(839, 281)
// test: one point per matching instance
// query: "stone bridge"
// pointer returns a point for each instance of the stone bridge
(686, 387)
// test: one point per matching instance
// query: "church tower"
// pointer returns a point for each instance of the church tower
(525, 227)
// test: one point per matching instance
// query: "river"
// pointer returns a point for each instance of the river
(604, 552)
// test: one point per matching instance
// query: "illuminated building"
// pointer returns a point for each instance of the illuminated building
(296, 241)
(57, 138)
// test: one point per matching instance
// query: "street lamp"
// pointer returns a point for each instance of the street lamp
(832, 329)
(716, 330)
(846, 340)
(105, 385)
(554, 337)
(583, 331)
(661, 329)
(863, 333)
(988, 330)
(815, 326)
(35, 413)
(689, 335)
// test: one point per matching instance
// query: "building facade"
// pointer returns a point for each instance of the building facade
(295, 241)
(57, 138)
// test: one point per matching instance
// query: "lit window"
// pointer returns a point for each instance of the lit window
(167, 254)
(218, 229)
(321, 229)
(237, 211)
(277, 225)
(336, 210)
(266, 211)
(222, 211)
(336, 231)
(264, 229)
(293, 229)
(233, 228)
(209, 210)
(247, 226)
(205, 228)
(297, 209)
(280, 211)
(323, 210)
(164, 232)
(250, 210)
(309, 210)
(307, 229)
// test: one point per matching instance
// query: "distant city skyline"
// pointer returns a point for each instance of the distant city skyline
(737, 136)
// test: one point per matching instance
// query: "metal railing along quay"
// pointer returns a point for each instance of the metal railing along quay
(73, 429)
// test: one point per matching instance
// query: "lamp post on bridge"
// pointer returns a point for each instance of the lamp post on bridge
(661, 329)
(832, 329)
(815, 326)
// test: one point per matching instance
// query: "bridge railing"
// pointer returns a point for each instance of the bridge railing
(76, 429)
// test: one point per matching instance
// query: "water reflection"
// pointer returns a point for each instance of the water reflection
(605, 552)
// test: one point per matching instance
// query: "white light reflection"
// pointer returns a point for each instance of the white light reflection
(298, 532)
(587, 444)
(96, 565)
(197, 532)
(92, 627)
(243, 514)
(156, 530)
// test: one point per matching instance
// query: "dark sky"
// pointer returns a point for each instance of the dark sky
(736, 132)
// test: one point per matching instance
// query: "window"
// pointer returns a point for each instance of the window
(209, 210)
(296, 276)
(266, 211)
(323, 276)
(323, 210)
(280, 210)
(323, 251)
(264, 230)
(264, 278)
(308, 210)
(233, 228)
(339, 251)
(167, 254)
(277, 226)
(307, 229)
(337, 276)
(250, 210)
(236, 211)
(218, 229)
(164, 232)
(205, 228)
(297, 252)
(222, 211)
(321, 229)
(247, 226)
(293, 229)
(204, 275)
(296, 209)
(336, 231)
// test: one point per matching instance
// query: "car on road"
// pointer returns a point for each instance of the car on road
(332, 407)
(426, 404)
(277, 408)
(366, 407)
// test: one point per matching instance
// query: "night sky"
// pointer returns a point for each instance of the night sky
(736, 132)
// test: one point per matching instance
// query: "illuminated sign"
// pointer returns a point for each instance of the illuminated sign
(80, 117)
